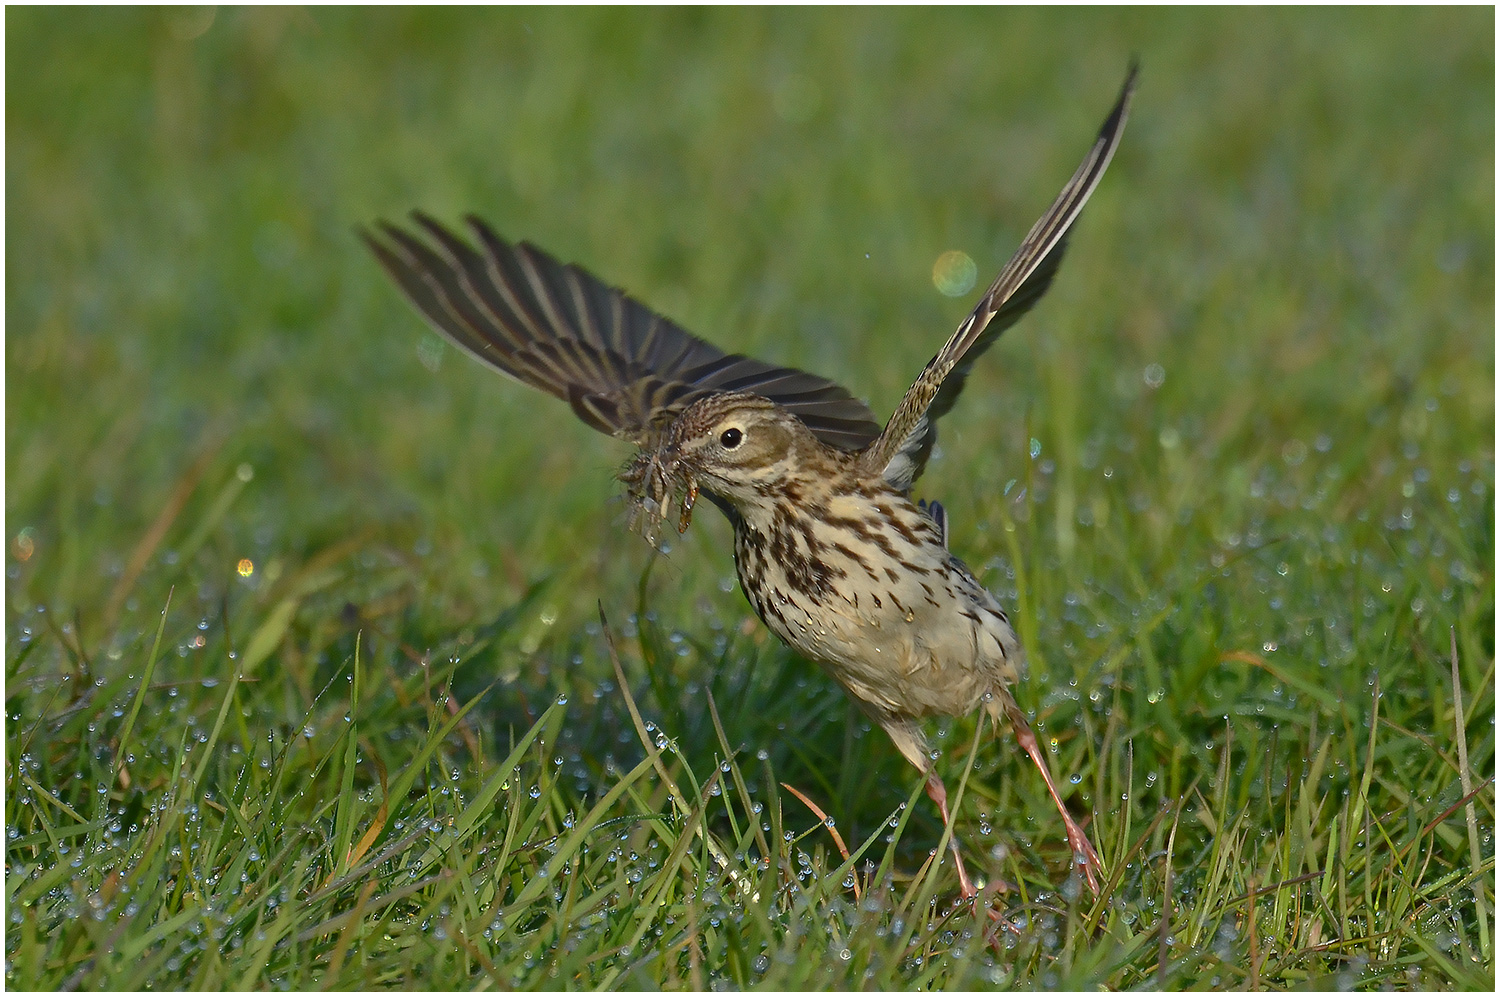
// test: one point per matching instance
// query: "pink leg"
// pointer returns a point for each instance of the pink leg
(939, 794)
(1083, 851)
(907, 737)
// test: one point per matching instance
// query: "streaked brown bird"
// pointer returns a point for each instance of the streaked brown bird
(831, 551)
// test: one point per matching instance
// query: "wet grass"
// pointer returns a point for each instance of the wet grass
(306, 678)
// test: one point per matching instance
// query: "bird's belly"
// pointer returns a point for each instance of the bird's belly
(898, 624)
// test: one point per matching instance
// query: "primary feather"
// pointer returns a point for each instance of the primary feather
(901, 451)
(625, 370)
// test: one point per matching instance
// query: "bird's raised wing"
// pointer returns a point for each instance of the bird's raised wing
(900, 453)
(625, 370)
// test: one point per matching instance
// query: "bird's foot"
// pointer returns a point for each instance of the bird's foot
(965, 884)
(1085, 859)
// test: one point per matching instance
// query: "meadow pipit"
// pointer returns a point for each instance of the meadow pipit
(831, 551)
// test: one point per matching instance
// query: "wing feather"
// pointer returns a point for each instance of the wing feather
(624, 369)
(901, 451)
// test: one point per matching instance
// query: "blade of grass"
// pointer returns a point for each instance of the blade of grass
(482, 806)
(652, 752)
(215, 514)
(135, 708)
(569, 845)
(347, 804)
(213, 737)
(346, 937)
(739, 778)
(664, 880)
(1475, 856)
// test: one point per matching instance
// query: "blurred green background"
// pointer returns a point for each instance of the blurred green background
(1242, 453)
(1299, 229)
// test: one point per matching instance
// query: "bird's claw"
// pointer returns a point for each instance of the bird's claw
(1085, 858)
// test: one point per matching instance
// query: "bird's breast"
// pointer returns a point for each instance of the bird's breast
(860, 582)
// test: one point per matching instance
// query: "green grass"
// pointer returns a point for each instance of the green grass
(295, 594)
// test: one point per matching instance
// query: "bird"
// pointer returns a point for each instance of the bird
(831, 551)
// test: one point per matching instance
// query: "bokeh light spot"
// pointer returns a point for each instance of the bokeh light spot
(954, 273)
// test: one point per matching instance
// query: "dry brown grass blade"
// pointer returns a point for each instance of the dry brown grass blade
(1467, 801)
(151, 540)
(838, 839)
(378, 824)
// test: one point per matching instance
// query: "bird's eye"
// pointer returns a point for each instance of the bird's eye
(730, 438)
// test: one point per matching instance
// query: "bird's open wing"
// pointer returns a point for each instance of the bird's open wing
(901, 451)
(625, 370)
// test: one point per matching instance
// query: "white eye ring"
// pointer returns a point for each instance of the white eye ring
(731, 438)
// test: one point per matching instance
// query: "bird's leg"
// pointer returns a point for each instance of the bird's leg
(939, 794)
(907, 737)
(1083, 852)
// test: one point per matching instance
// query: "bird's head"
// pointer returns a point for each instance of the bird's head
(737, 446)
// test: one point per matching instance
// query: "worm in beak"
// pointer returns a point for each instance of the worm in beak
(689, 497)
(650, 481)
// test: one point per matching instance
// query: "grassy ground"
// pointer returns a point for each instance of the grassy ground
(305, 678)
